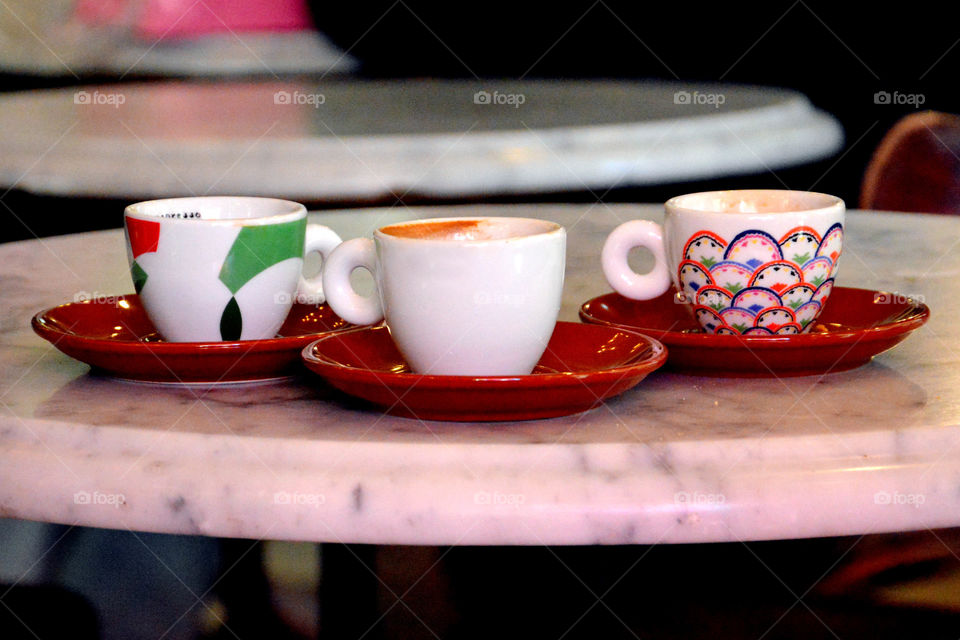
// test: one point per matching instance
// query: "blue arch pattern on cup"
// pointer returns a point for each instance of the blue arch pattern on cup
(758, 285)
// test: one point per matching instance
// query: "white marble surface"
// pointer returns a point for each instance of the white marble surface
(677, 459)
(349, 140)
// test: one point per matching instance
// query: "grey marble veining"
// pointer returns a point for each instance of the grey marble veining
(676, 459)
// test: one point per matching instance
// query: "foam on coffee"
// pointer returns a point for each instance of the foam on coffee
(468, 230)
(755, 201)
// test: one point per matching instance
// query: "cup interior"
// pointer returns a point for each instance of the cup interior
(223, 208)
(755, 201)
(469, 229)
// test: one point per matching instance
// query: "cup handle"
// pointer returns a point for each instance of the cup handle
(355, 309)
(322, 240)
(624, 280)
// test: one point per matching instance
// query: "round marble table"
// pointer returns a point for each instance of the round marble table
(348, 140)
(677, 459)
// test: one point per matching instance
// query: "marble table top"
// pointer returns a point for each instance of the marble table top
(677, 459)
(347, 140)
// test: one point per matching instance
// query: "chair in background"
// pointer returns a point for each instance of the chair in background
(916, 167)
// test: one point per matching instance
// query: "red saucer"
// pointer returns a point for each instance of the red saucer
(583, 365)
(115, 336)
(855, 325)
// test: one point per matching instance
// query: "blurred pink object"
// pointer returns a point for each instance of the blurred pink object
(99, 12)
(172, 19)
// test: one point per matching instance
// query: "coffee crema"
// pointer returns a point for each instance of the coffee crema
(470, 229)
(763, 201)
(720, 205)
(438, 230)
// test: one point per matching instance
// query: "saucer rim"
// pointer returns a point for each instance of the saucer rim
(263, 345)
(919, 313)
(466, 399)
(177, 364)
(656, 359)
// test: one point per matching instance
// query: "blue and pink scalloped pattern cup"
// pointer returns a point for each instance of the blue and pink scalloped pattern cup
(750, 262)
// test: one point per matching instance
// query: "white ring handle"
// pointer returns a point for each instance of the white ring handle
(322, 240)
(345, 302)
(623, 279)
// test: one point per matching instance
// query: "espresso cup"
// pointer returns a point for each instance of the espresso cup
(750, 262)
(222, 268)
(460, 296)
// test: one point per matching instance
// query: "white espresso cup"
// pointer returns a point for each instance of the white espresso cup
(222, 268)
(460, 296)
(755, 262)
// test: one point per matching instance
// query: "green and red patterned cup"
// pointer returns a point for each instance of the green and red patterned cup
(211, 269)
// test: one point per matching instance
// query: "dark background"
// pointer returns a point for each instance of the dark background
(838, 54)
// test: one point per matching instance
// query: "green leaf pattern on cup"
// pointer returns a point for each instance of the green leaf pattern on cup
(255, 249)
(139, 276)
(259, 247)
(733, 287)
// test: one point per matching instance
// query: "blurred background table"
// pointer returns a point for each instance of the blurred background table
(157, 38)
(352, 140)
